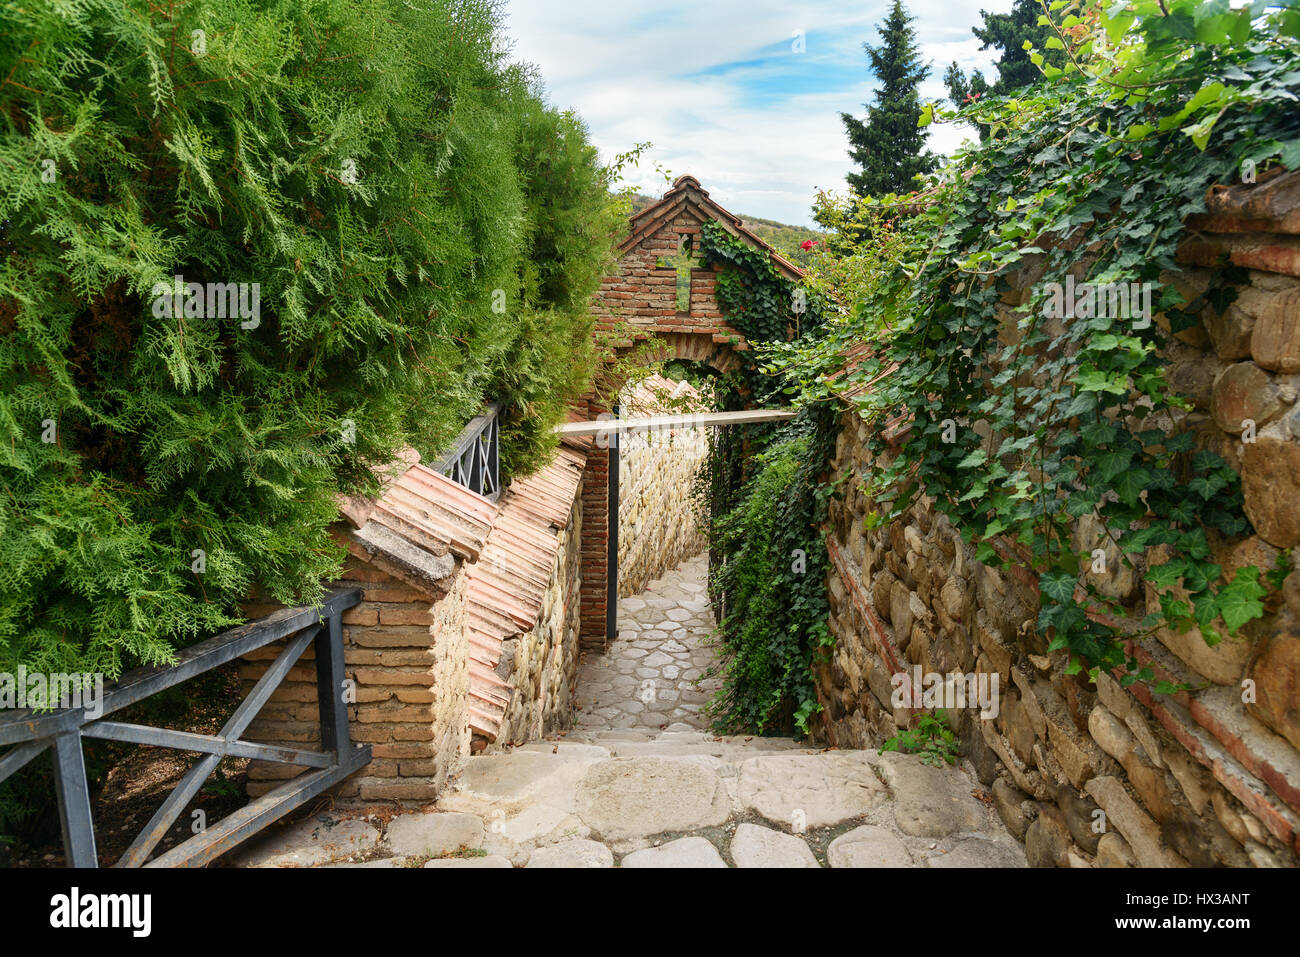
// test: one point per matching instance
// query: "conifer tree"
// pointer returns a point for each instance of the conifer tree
(888, 146)
(1007, 33)
(413, 232)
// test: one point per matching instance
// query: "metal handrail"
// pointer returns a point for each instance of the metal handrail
(31, 734)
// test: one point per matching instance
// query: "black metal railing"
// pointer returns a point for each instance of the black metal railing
(475, 459)
(30, 734)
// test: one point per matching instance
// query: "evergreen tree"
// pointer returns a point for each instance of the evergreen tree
(1007, 33)
(888, 145)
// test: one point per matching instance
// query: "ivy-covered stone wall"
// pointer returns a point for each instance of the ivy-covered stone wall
(1098, 774)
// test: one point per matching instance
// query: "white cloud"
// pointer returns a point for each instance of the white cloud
(632, 71)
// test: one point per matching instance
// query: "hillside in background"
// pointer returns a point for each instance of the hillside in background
(782, 237)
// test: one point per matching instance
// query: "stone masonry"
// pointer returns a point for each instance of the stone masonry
(637, 306)
(1206, 777)
(467, 606)
(671, 796)
(657, 525)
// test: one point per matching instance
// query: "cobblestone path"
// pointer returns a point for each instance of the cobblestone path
(640, 782)
(660, 669)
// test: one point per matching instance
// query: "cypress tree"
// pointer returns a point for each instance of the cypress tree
(888, 146)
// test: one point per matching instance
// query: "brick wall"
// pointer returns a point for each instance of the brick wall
(638, 304)
(595, 539)
(408, 657)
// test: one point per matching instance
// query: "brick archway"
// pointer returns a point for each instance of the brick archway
(656, 294)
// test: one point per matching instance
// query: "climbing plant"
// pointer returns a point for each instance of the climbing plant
(757, 300)
(1023, 420)
(775, 582)
(762, 490)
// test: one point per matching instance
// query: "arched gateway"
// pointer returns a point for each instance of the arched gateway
(661, 292)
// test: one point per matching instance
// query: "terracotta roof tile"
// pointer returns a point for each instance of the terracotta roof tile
(506, 586)
(687, 192)
(424, 518)
(445, 511)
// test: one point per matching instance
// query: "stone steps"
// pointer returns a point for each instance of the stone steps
(679, 798)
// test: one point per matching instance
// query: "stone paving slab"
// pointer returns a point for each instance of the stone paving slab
(685, 852)
(980, 850)
(582, 805)
(313, 841)
(810, 790)
(755, 846)
(579, 853)
(868, 846)
(641, 776)
(433, 833)
(639, 797)
(491, 860)
(929, 801)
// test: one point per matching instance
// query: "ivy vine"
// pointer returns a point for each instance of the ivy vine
(1023, 422)
(763, 490)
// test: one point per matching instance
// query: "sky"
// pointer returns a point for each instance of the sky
(723, 91)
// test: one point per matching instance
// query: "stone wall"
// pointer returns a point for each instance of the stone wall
(657, 527)
(542, 665)
(1096, 774)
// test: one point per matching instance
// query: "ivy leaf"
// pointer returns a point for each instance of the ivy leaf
(1112, 463)
(1167, 575)
(1057, 585)
(1129, 485)
(1206, 485)
(1099, 433)
(1205, 609)
(976, 458)
(1239, 600)
(1080, 504)
(1095, 380)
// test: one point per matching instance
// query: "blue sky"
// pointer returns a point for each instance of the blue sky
(720, 89)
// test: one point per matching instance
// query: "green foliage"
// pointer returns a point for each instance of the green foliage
(757, 301)
(424, 232)
(1091, 172)
(787, 240)
(931, 738)
(1007, 33)
(774, 577)
(569, 227)
(888, 146)
(762, 492)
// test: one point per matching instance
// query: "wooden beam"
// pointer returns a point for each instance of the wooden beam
(656, 423)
